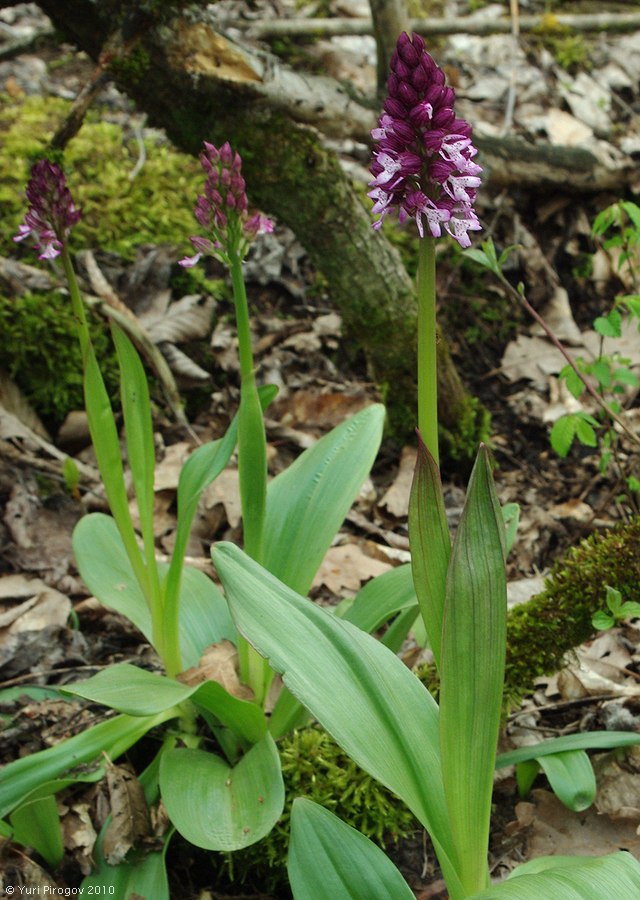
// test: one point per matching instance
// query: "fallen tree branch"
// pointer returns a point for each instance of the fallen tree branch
(595, 22)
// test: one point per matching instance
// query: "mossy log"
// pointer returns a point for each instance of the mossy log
(541, 632)
(198, 86)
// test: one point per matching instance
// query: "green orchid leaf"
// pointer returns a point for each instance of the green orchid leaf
(219, 807)
(570, 878)
(571, 777)
(381, 598)
(526, 773)
(141, 875)
(138, 426)
(106, 444)
(105, 569)
(330, 859)
(588, 740)
(359, 691)
(37, 824)
(511, 519)
(307, 503)
(113, 737)
(136, 692)
(430, 545)
(472, 671)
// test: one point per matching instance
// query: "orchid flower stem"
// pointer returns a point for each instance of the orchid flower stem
(252, 469)
(427, 361)
(76, 303)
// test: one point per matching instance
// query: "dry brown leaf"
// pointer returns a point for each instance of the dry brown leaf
(79, 835)
(220, 663)
(167, 472)
(319, 408)
(555, 830)
(129, 814)
(225, 490)
(346, 567)
(28, 604)
(396, 499)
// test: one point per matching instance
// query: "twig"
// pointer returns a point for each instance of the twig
(559, 346)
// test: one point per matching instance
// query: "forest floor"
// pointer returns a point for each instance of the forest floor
(570, 277)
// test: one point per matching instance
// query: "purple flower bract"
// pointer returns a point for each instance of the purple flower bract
(52, 213)
(423, 165)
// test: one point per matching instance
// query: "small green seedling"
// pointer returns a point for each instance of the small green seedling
(617, 611)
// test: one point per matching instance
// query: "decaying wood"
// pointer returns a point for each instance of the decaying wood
(595, 22)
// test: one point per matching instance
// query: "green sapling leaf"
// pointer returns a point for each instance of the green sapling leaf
(613, 599)
(602, 621)
(609, 325)
(585, 433)
(563, 433)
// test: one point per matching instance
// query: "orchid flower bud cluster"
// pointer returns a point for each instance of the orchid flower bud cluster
(52, 212)
(222, 209)
(423, 166)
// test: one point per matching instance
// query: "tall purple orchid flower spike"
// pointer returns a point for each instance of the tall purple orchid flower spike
(423, 166)
(222, 209)
(52, 212)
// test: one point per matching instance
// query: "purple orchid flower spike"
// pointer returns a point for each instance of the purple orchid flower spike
(423, 166)
(52, 212)
(222, 209)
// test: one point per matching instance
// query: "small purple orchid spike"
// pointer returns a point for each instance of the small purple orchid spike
(423, 165)
(52, 213)
(222, 209)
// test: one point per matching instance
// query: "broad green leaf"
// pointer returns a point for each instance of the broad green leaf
(136, 692)
(113, 737)
(571, 777)
(570, 878)
(472, 671)
(5, 829)
(359, 691)
(37, 824)
(106, 445)
(219, 807)
(562, 434)
(430, 545)
(587, 740)
(381, 598)
(329, 859)
(307, 503)
(105, 568)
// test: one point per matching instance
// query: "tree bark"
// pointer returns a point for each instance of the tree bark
(390, 18)
(199, 86)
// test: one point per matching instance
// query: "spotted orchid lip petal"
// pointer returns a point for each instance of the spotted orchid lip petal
(423, 164)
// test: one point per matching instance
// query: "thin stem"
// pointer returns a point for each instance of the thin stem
(427, 361)
(556, 343)
(76, 303)
(252, 468)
